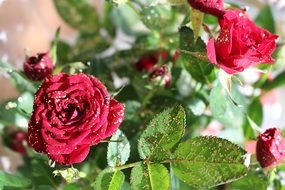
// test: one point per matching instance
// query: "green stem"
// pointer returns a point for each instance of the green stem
(147, 98)
(131, 165)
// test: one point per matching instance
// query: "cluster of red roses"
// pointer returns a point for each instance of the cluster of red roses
(73, 112)
(239, 45)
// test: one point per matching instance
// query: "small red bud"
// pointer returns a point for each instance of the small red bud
(270, 148)
(17, 140)
(147, 62)
(38, 67)
(161, 75)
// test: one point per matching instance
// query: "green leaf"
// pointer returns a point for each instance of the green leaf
(277, 82)
(78, 14)
(10, 180)
(146, 176)
(209, 161)
(109, 180)
(255, 113)
(253, 181)
(162, 133)
(118, 152)
(224, 109)
(127, 18)
(25, 102)
(197, 21)
(191, 56)
(18, 78)
(132, 108)
(11, 114)
(265, 19)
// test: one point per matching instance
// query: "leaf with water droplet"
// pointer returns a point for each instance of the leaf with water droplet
(146, 176)
(209, 161)
(118, 150)
(163, 132)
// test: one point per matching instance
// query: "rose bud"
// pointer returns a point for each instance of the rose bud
(161, 76)
(270, 148)
(240, 43)
(38, 67)
(147, 62)
(71, 113)
(176, 56)
(16, 142)
(213, 7)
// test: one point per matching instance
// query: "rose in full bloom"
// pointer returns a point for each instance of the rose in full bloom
(38, 67)
(213, 7)
(240, 44)
(270, 148)
(70, 114)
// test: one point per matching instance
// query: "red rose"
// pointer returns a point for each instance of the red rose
(214, 7)
(240, 44)
(147, 62)
(37, 68)
(270, 148)
(17, 140)
(72, 113)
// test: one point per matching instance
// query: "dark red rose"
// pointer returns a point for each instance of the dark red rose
(38, 67)
(270, 148)
(240, 44)
(70, 114)
(213, 7)
(147, 62)
(17, 140)
(161, 75)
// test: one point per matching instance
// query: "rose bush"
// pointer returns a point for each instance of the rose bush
(187, 124)
(240, 44)
(72, 113)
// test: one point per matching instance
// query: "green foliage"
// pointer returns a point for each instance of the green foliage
(147, 176)
(163, 132)
(277, 82)
(224, 109)
(78, 14)
(265, 19)
(118, 149)
(192, 56)
(153, 149)
(255, 113)
(253, 181)
(9, 180)
(109, 180)
(201, 162)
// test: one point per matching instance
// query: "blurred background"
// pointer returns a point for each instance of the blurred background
(29, 26)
